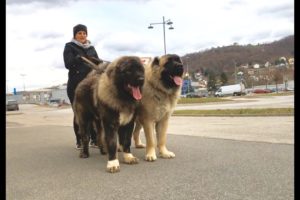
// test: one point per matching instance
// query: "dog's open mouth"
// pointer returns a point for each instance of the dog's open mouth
(177, 80)
(135, 91)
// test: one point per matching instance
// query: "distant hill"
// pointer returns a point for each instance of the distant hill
(223, 59)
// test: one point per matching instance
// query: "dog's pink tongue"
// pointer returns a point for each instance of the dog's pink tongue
(177, 80)
(136, 93)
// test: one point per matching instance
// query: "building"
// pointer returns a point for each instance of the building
(41, 96)
(256, 66)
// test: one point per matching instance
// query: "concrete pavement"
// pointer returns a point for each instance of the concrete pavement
(42, 163)
(224, 158)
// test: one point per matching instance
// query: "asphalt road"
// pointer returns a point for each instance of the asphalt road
(216, 158)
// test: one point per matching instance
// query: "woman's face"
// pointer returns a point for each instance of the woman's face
(81, 36)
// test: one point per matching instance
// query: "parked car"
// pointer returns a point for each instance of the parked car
(192, 95)
(289, 89)
(259, 91)
(12, 105)
(275, 90)
(55, 102)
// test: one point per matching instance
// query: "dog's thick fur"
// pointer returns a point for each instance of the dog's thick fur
(161, 91)
(110, 99)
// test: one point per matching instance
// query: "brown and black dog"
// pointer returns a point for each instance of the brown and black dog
(110, 99)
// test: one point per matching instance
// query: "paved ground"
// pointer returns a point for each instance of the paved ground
(42, 163)
(216, 158)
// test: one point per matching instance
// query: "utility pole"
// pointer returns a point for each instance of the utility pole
(23, 81)
(235, 75)
(164, 35)
(164, 23)
(187, 64)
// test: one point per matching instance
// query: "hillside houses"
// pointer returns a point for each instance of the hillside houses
(264, 73)
(253, 74)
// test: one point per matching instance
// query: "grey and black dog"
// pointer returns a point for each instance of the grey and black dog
(110, 99)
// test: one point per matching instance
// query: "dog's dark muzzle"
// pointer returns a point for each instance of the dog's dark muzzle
(178, 70)
(139, 81)
(136, 81)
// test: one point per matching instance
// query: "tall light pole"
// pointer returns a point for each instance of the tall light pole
(169, 23)
(187, 74)
(23, 81)
(235, 77)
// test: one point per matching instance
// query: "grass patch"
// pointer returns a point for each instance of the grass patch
(270, 94)
(201, 100)
(278, 94)
(238, 112)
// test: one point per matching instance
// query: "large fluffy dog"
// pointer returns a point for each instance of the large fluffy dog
(110, 99)
(163, 80)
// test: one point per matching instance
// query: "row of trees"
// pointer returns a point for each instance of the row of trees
(215, 81)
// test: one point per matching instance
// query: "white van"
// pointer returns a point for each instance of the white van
(231, 90)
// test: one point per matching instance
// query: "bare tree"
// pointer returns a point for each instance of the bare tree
(277, 77)
(223, 78)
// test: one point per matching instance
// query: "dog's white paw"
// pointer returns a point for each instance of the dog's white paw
(130, 159)
(167, 154)
(113, 166)
(151, 156)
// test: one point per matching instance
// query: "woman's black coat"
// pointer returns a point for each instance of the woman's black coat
(78, 69)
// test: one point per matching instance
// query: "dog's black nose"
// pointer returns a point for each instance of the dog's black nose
(141, 79)
(137, 81)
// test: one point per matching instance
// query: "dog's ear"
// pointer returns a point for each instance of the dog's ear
(177, 58)
(155, 62)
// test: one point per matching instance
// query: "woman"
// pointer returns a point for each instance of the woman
(78, 69)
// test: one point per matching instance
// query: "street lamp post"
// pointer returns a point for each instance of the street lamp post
(235, 76)
(169, 23)
(188, 75)
(23, 81)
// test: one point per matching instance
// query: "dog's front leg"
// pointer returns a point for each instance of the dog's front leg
(100, 137)
(125, 134)
(148, 126)
(111, 140)
(161, 131)
(84, 128)
(136, 136)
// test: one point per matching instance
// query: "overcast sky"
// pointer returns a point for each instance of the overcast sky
(37, 30)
